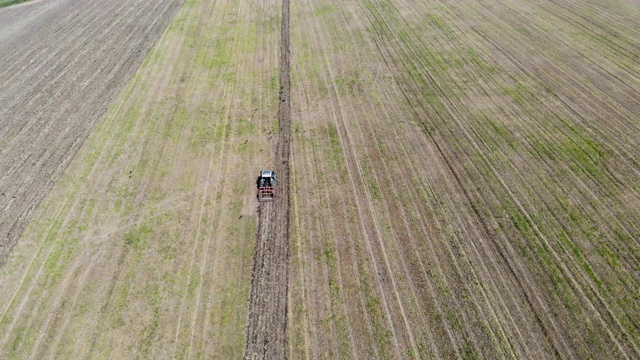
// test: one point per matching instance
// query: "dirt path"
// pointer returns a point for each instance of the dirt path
(267, 325)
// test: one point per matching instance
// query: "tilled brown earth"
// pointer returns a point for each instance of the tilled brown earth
(267, 323)
(63, 62)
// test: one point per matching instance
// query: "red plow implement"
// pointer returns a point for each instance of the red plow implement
(266, 193)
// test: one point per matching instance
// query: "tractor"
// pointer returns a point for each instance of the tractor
(266, 184)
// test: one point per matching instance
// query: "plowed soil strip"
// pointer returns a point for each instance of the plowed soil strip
(266, 329)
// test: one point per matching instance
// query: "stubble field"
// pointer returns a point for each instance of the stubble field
(466, 179)
(463, 182)
(62, 64)
(143, 247)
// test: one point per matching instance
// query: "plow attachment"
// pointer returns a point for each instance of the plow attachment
(266, 193)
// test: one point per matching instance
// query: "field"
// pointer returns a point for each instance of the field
(63, 64)
(143, 247)
(466, 179)
(457, 179)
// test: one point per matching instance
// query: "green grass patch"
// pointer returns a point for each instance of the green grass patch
(520, 93)
(246, 128)
(585, 154)
(380, 333)
(439, 23)
(137, 238)
(339, 319)
(504, 133)
(374, 310)
(4, 3)
(469, 352)
(335, 150)
(557, 283)
(575, 250)
(150, 330)
(370, 179)
(274, 84)
(475, 58)
(15, 344)
(55, 263)
(324, 10)
(520, 222)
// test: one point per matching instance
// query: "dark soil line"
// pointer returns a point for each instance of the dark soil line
(267, 323)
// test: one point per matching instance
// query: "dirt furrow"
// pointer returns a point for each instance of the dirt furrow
(267, 317)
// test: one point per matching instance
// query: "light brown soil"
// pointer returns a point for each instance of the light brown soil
(64, 62)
